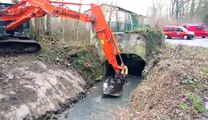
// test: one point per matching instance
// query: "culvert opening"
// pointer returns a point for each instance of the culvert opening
(134, 62)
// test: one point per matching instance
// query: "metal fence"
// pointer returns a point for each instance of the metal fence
(125, 27)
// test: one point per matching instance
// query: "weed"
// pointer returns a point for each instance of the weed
(88, 63)
(183, 106)
(197, 103)
(200, 86)
(204, 72)
(188, 80)
(51, 54)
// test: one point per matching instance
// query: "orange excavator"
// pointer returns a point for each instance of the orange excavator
(18, 14)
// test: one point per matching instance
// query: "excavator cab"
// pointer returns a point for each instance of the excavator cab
(16, 40)
(20, 31)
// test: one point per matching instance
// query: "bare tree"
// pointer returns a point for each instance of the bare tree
(14, 1)
(77, 24)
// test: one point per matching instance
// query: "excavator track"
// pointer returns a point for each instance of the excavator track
(18, 46)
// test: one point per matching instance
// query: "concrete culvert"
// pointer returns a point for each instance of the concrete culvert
(135, 64)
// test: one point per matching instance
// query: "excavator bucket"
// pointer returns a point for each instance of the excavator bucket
(113, 86)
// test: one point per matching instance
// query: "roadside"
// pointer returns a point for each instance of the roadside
(176, 87)
(201, 42)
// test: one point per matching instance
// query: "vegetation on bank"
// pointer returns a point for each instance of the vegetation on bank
(81, 56)
(175, 87)
(175, 84)
(154, 40)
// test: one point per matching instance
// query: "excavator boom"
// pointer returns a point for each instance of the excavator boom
(27, 9)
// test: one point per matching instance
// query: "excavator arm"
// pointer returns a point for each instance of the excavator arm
(27, 9)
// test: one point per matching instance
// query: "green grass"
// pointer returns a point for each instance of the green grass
(204, 72)
(183, 106)
(197, 103)
(200, 86)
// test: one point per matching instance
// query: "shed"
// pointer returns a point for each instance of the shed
(122, 20)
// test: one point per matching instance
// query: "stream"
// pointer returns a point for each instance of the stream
(97, 107)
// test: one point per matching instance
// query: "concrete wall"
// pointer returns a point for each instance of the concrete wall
(131, 43)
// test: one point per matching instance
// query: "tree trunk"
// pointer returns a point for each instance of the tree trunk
(77, 24)
(14, 1)
(48, 23)
(38, 27)
(192, 10)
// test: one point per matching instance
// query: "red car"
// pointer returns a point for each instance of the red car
(198, 29)
(177, 32)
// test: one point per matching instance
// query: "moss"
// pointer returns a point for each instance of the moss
(88, 62)
(154, 39)
(139, 50)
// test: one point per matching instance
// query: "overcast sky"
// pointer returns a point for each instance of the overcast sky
(137, 6)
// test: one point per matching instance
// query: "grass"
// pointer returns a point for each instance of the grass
(176, 85)
(201, 86)
(183, 106)
(196, 103)
(204, 72)
(52, 54)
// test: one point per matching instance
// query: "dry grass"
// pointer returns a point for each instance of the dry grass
(175, 88)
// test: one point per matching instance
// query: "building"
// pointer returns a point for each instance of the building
(122, 20)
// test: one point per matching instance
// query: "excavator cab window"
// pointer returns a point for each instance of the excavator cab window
(20, 31)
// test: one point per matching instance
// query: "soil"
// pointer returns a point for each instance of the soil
(175, 87)
(29, 87)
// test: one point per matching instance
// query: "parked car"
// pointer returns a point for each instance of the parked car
(177, 32)
(198, 29)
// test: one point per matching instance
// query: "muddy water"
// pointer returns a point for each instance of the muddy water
(97, 107)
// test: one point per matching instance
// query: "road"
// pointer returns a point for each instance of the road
(202, 42)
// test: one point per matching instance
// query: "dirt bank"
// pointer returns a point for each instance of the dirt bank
(176, 87)
(31, 85)
(29, 88)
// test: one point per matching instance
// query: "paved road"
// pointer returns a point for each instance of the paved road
(202, 42)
